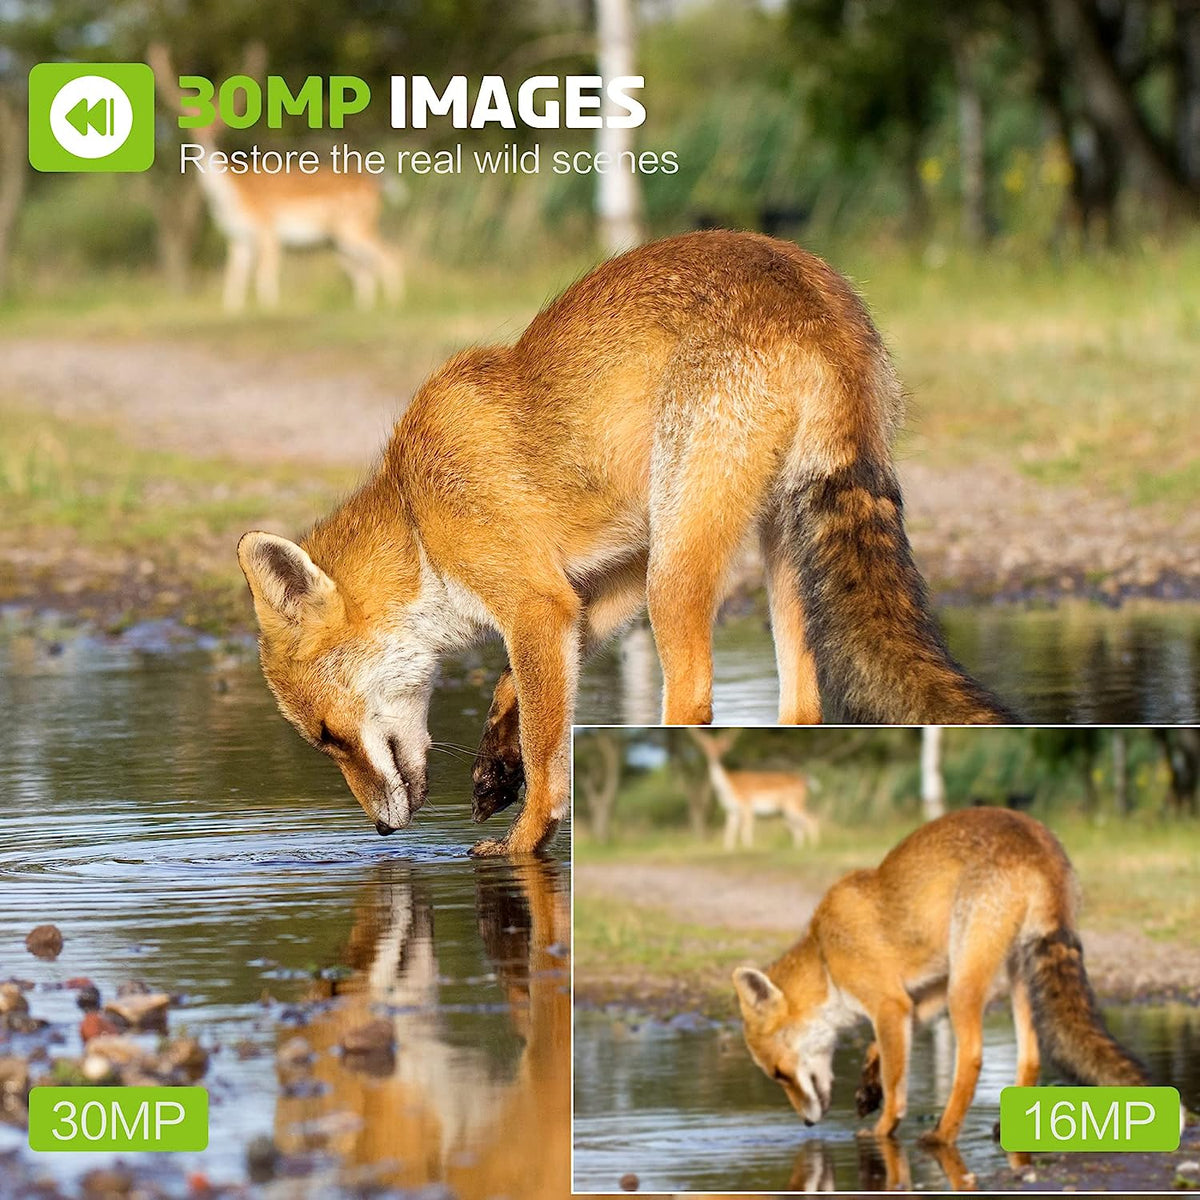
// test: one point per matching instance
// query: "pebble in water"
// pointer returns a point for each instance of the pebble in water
(44, 941)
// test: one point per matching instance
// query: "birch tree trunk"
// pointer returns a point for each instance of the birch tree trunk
(971, 149)
(933, 786)
(1120, 755)
(618, 192)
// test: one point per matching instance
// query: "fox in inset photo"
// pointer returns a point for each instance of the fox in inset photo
(669, 405)
(964, 898)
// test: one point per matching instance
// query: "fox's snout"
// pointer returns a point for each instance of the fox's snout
(391, 799)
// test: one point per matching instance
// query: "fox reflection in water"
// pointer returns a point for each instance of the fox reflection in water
(440, 1112)
(883, 1165)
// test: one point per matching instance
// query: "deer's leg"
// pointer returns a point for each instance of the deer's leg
(239, 263)
(391, 273)
(732, 821)
(363, 279)
(798, 830)
(366, 262)
(266, 279)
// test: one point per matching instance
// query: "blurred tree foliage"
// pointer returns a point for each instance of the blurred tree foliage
(873, 774)
(1040, 119)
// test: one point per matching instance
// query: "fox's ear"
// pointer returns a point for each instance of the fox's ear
(756, 992)
(284, 581)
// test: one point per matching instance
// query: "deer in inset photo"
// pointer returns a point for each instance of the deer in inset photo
(745, 795)
(261, 215)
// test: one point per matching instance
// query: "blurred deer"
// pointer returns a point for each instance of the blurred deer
(260, 215)
(745, 795)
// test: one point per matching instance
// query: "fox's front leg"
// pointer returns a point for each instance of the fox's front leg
(498, 772)
(869, 1094)
(544, 649)
(893, 1034)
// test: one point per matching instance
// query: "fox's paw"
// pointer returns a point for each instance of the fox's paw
(934, 1139)
(489, 848)
(509, 846)
(885, 1127)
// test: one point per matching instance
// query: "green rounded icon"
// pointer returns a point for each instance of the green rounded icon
(91, 117)
(118, 1118)
(1090, 1118)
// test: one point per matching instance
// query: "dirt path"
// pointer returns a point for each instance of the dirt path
(980, 529)
(184, 397)
(1123, 965)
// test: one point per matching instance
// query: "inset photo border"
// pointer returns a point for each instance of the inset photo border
(810, 959)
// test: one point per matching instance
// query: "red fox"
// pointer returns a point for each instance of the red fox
(929, 929)
(663, 408)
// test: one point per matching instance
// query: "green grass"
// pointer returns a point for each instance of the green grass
(1081, 372)
(152, 530)
(1136, 876)
(84, 478)
(1077, 372)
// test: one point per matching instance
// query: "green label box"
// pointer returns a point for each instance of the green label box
(1089, 1118)
(118, 1118)
(91, 117)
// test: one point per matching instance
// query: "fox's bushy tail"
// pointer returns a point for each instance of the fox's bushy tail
(1071, 1032)
(879, 653)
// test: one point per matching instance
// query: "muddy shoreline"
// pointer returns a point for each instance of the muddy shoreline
(198, 614)
(645, 999)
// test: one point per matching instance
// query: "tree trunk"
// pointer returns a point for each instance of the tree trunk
(971, 148)
(1113, 107)
(14, 168)
(1120, 754)
(917, 215)
(618, 193)
(1182, 750)
(1187, 89)
(933, 785)
(601, 784)
(1091, 797)
(177, 205)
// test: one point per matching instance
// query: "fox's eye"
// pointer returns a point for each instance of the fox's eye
(781, 1076)
(326, 738)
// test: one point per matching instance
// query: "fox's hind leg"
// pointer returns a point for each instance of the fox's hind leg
(982, 947)
(1029, 1060)
(711, 468)
(799, 700)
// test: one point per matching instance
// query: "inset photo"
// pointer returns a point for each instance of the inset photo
(810, 959)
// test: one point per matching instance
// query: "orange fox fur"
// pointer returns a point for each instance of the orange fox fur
(962, 898)
(665, 407)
